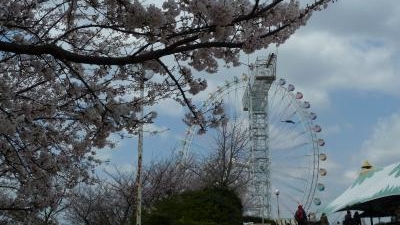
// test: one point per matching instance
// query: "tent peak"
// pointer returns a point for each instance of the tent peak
(366, 166)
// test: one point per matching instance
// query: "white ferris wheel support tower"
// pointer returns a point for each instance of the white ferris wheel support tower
(255, 101)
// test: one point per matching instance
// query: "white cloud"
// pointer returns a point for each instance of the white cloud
(152, 130)
(333, 129)
(359, 18)
(321, 63)
(382, 148)
(123, 168)
(104, 154)
(169, 107)
(351, 175)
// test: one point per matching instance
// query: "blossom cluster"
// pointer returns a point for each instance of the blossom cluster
(71, 74)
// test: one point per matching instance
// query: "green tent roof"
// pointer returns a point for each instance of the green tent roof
(376, 190)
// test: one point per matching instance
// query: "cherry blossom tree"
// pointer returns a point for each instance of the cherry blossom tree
(70, 74)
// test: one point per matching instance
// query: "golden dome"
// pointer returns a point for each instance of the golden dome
(366, 165)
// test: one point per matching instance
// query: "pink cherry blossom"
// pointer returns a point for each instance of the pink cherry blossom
(71, 73)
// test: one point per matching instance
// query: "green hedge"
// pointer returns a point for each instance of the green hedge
(211, 206)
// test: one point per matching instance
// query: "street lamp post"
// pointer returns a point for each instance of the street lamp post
(263, 212)
(277, 202)
(145, 76)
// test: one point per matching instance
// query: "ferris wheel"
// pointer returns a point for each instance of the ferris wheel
(285, 152)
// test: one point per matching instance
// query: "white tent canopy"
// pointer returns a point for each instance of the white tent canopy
(376, 191)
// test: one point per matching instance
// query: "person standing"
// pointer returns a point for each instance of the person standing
(356, 219)
(300, 215)
(348, 219)
(324, 219)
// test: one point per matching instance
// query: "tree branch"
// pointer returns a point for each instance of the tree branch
(65, 55)
(187, 102)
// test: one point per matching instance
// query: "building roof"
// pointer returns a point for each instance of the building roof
(376, 190)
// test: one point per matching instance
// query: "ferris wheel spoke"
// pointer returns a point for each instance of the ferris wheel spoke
(294, 142)
(290, 171)
(291, 163)
(284, 184)
(282, 132)
(288, 135)
(283, 114)
(293, 177)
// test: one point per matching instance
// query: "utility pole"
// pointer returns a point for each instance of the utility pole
(144, 76)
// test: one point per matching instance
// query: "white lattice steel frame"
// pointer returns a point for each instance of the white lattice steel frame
(255, 100)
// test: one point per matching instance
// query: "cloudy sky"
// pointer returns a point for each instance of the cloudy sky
(346, 60)
(346, 63)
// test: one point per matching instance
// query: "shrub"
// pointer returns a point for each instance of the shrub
(211, 206)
